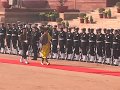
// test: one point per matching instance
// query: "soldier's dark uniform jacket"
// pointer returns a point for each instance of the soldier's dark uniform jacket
(35, 37)
(108, 45)
(92, 44)
(62, 41)
(2, 36)
(69, 42)
(20, 31)
(76, 41)
(84, 43)
(8, 36)
(14, 37)
(29, 35)
(34, 43)
(54, 41)
(100, 44)
(115, 46)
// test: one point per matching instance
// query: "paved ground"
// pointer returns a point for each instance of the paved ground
(18, 77)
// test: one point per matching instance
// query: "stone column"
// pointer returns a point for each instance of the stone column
(74, 4)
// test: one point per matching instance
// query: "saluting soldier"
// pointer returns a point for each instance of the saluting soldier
(14, 39)
(92, 46)
(69, 44)
(84, 44)
(115, 46)
(55, 42)
(62, 43)
(100, 45)
(108, 45)
(8, 38)
(76, 42)
(2, 37)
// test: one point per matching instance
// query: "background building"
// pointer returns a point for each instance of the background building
(82, 5)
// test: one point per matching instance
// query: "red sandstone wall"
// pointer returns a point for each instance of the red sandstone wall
(80, 4)
(83, 5)
(0, 4)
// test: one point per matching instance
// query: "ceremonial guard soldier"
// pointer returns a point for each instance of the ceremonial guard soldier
(8, 38)
(108, 45)
(84, 44)
(54, 42)
(24, 42)
(14, 39)
(29, 33)
(62, 43)
(34, 42)
(2, 37)
(69, 44)
(115, 46)
(100, 45)
(20, 31)
(76, 42)
(92, 46)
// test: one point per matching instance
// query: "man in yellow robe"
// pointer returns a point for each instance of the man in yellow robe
(46, 45)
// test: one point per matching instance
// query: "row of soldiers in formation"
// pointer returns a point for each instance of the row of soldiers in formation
(85, 46)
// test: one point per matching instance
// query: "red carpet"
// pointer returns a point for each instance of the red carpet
(67, 68)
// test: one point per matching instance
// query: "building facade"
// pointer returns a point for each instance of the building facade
(82, 5)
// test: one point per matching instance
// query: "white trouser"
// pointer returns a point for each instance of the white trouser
(14, 51)
(100, 59)
(108, 60)
(2, 50)
(55, 55)
(20, 52)
(115, 62)
(77, 57)
(70, 56)
(62, 55)
(92, 58)
(84, 57)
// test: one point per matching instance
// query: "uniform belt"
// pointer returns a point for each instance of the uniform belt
(115, 43)
(91, 41)
(61, 39)
(25, 41)
(1, 33)
(68, 39)
(8, 34)
(99, 41)
(107, 42)
(13, 35)
(54, 39)
(76, 40)
(83, 41)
